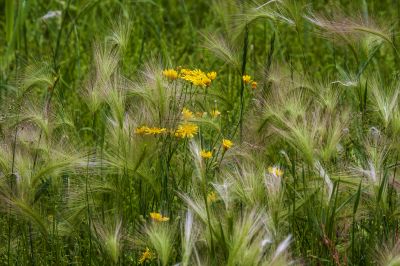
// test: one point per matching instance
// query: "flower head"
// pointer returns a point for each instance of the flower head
(212, 75)
(187, 114)
(254, 85)
(227, 144)
(144, 130)
(276, 171)
(186, 130)
(146, 255)
(211, 197)
(206, 154)
(141, 130)
(158, 217)
(156, 130)
(246, 79)
(171, 74)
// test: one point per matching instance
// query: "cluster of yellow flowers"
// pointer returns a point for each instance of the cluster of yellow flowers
(158, 217)
(185, 130)
(226, 144)
(196, 76)
(247, 80)
(144, 130)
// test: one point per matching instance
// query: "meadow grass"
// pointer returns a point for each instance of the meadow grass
(209, 132)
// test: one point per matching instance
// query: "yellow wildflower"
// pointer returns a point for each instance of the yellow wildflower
(254, 85)
(146, 255)
(187, 114)
(141, 130)
(215, 113)
(246, 79)
(206, 154)
(276, 171)
(155, 130)
(158, 217)
(211, 197)
(150, 130)
(212, 75)
(227, 144)
(186, 130)
(171, 74)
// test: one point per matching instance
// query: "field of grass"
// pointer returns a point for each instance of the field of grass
(199, 132)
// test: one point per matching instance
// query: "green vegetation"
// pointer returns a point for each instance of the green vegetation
(201, 132)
